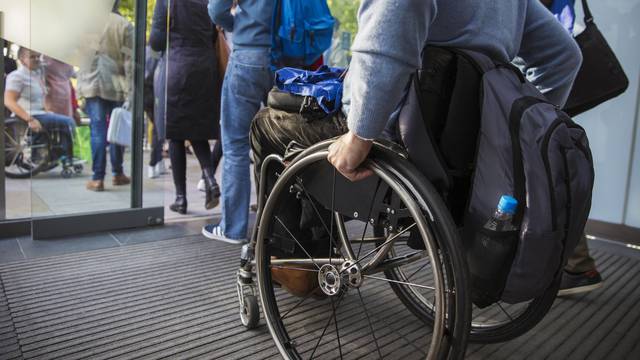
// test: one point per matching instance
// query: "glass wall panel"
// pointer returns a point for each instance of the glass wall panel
(86, 68)
(610, 126)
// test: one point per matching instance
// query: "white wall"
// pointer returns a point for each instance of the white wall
(612, 126)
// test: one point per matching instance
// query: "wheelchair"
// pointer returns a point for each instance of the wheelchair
(28, 153)
(384, 255)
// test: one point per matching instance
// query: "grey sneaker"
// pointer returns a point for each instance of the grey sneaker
(214, 232)
(572, 284)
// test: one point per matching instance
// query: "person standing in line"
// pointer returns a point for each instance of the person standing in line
(191, 107)
(105, 85)
(156, 119)
(59, 97)
(247, 82)
(580, 274)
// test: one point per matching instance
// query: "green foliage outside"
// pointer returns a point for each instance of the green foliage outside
(346, 11)
(127, 9)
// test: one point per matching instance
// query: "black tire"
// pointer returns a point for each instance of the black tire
(250, 313)
(534, 312)
(456, 303)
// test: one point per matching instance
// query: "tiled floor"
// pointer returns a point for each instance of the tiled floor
(169, 293)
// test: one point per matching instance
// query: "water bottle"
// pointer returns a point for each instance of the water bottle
(491, 253)
(503, 216)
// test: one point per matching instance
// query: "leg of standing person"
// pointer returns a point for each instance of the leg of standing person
(95, 108)
(580, 274)
(247, 81)
(178, 156)
(116, 153)
(203, 153)
(156, 153)
(216, 155)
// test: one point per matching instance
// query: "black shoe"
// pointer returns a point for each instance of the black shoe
(180, 205)
(212, 191)
(578, 283)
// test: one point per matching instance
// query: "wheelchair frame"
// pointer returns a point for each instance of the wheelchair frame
(379, 261)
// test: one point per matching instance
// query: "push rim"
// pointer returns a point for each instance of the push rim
(288, 346)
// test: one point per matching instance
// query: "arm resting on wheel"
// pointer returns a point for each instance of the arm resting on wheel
(11, 102)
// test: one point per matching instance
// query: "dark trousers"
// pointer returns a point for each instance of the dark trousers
(178, 156)
(580, 261)
(273, 130)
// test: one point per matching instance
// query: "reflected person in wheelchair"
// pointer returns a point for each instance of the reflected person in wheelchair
(25, 97)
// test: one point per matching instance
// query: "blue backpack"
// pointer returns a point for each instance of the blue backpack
(302, 31)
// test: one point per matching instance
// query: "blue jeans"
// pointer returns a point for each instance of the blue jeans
(63, 125)
(99, 110)
(246, 84)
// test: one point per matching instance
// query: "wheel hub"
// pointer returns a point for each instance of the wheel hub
(329, 280)
(351, 274)
(333, 280)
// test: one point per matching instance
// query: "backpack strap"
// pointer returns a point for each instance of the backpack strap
(485, 63)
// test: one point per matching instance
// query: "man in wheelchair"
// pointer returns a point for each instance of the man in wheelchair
(386, 53)
(24, 97)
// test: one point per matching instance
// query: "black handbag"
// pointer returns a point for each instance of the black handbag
(601, 76)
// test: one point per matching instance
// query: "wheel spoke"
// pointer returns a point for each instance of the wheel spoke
(400, 282)
(333, 199)
(373, 333)
(315, 209)
(504, 311)
(335, 321)
(380, 246)
(326, 326)
(298, 242)
(364, 232)
(308, 295)
(415, 272)
(8, 136)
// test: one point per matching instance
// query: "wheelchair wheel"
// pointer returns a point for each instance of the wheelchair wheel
(498, 322)
(26, 153)
(341, 304)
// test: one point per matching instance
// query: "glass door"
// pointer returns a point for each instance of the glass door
(87, 128)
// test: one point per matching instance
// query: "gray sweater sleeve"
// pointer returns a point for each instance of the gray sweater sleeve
(386, 51)
(551, 56)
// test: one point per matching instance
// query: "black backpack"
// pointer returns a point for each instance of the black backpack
(487, 132)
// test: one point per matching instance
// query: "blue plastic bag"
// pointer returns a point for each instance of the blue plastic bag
(324, 84)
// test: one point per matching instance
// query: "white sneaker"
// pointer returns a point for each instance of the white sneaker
(202, 186)
(214, 232)
(152, 173)
(160, 168)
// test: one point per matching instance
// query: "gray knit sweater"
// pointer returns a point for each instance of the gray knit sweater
(392, 34)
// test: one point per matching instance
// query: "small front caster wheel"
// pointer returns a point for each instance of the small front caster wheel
(66, 173)
(250, 313)
(77, 169)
